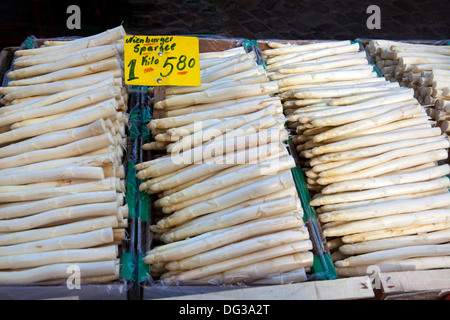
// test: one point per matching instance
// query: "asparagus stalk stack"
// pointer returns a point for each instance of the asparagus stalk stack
(423, 67)
(370, 156)
(228, 211)
(63, 131)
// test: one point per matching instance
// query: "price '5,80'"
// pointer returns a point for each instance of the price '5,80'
(180, 65)
(170, 64)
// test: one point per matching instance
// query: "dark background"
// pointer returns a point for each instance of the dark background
(252, 19)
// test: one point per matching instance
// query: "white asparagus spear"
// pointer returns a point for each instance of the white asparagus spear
(77, 241)
(253, 72)
(313, 55)
(263, 269)
(209, 96)
(412, 264)
(58, 231)
(422, 47)
(207, 63)
(429, 67)
(387, 208)
(222, 54)
(248, 259)
(220, 128)
(387, 156)
(220, 84)
(34, 60)
(78, 118)
(372, 151)
(381, 192)
(270, 185)
(356, 121)
(388, 180)
(375, 139)
(217, 151)
(226, 71)
(252, 155)
(54, 92)
(225, 63)
(58, 271)
(225, 236)
(357, 98)
(295, 276)
(85, 173)
(339, 118)
(68, 150)
(401, 220)
(326, 83)
(325, 76)
(60, 215)
(92, 68)
(227, 111)
(287, 49)
(172, 112)
(341, 91)
(169, 208)
(30, 208)
(390, 166)
(339, 206)
(106, 37)
(279, 76)
(69, 62)
(393, 232)
(435, 237)
(31, 260)
(394, 254)
(54, 139)
(239, 249)
(102, 160)
(39, 120)
(318, 66)
(246, 214)
(89, 98)
(285, 193)
(265, 168)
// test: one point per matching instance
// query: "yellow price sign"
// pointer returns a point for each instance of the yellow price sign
(162, 61)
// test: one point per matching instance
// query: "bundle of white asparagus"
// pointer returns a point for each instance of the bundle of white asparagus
(423, 67)
(370, 157)
(227, 202)
(63, 131)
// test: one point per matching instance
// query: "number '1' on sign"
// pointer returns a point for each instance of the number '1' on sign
(162, 61)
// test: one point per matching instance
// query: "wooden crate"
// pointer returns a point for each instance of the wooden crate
(122, 289)
(408, 285)
(356, 288)
(413, 285)
(150, 290)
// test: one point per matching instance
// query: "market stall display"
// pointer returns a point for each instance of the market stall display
(289, 158)
(227, 209)
(370, 156)
(63, 139)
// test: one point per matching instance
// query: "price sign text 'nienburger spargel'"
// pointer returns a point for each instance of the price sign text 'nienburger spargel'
(162, 61)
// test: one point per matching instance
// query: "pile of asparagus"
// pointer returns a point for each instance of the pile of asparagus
(423, 67)
(227, 208)
(370, 155)
(62, 139)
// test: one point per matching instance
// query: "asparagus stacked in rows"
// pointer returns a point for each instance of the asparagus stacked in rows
(370, 157)
(63, 131)
(228, 207)
(425, 68)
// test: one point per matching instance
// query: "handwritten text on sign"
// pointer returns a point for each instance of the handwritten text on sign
(162, 61)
